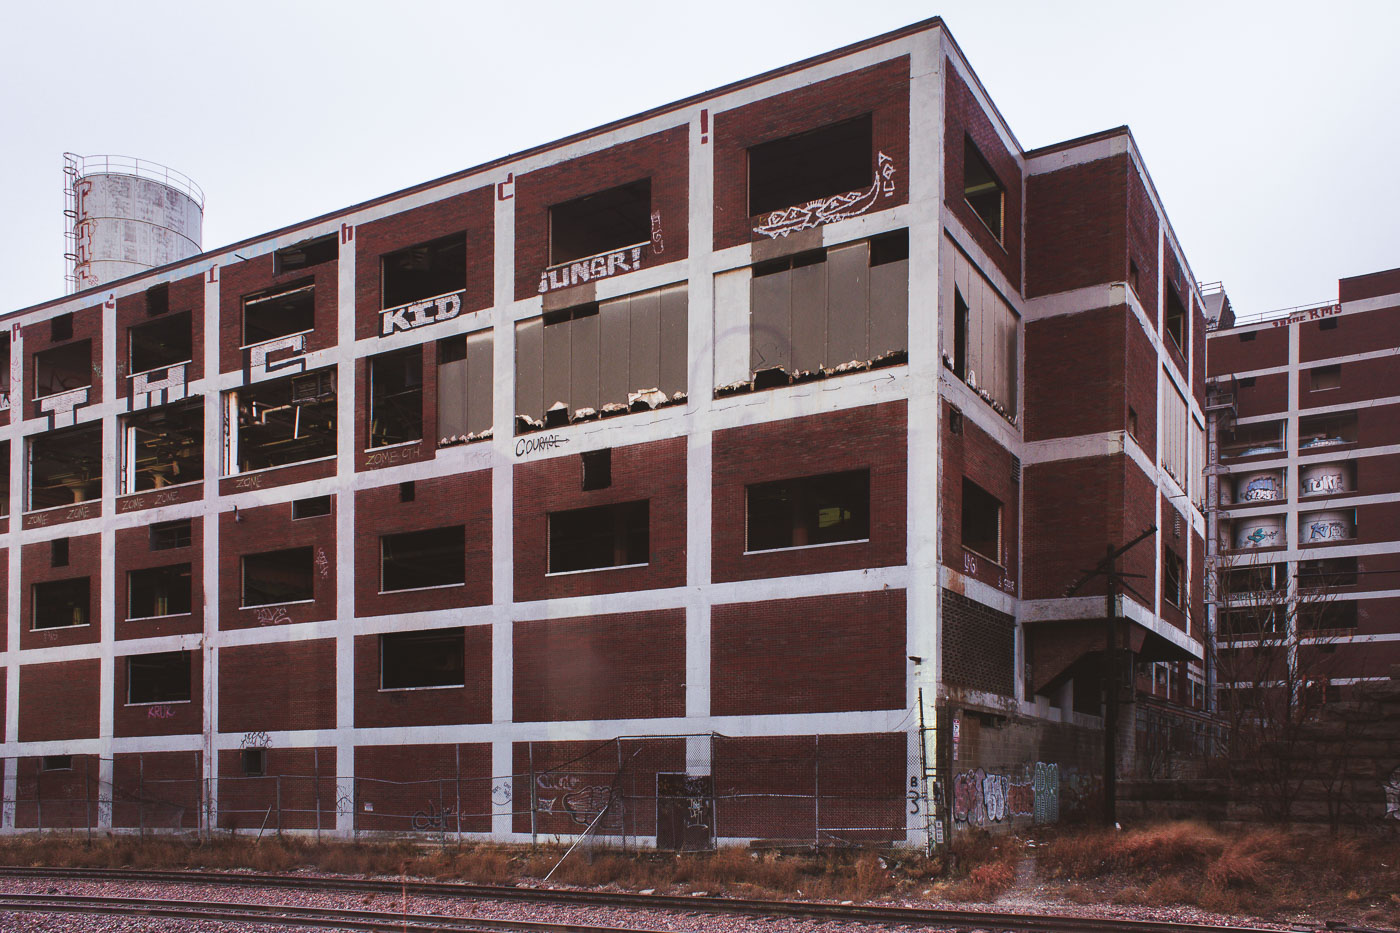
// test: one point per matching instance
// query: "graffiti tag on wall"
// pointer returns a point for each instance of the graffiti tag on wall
(591, 269)
(980, 798)
(829, 210)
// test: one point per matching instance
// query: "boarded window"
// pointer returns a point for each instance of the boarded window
(307, 253)
(158, 591)
(808, 510)
(164, 447)
(981, 521)
(169, 535)
(1176, 424)
(602, 536)
(63, 369)
(65, 467)
(985, 193)
(415, 560)
(598, 357)
(601, 222)
(282, 421)
(438, 267)
(160, 344)
(278, 577)
(465, 367)
(396, 397)
(279, 313)
(423, 659)
(834, 159)
(60, 603)
(982, 334)
(158, 678)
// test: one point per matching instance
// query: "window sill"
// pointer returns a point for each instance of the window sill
(411, 689)
(66, 505)
(44, 398)
(161, 369)
(806, 547)
(160, 703)
(262, 343)
(978, 554)
(563, 263)
(294, 602)
(382, 447)
(59, 628)
(570, 573)
(168, 615)
(268, 469)
(423, 589)
(157, 489)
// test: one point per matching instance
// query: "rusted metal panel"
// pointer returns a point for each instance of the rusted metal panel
(480, 364)
(848, 303)
(614, 368)
(646, 341)
(529, 368)
(889, 307)
(558, 363)
(452, 389)
(770, 315)
(808, 338)
(584, 375)
(673, 339)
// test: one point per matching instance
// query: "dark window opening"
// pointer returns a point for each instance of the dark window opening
(407, 491)
(1132, 422)
(1248, 336)
(416, 560)
(63, 369)
(889, 247)
(396, 397)
(597, 469)
(424, 271)
(1249, 621)
(311, 508)
(423, 659)
(278, 577)
(158, 678)
(1133, 276)
(1173, 580)
(819, 163)
(1327, 573)
(269, 315)
(167, 536)
(164, 447)
(1246, 382)
(1174, 318)
(1327, 430)
(1327, 614)
(58, 552)
(4, 478)
(158, 591)
(56, 763)
(1328, 324)
(1259, 578)
(808, 510)
(5, 365)
(955, 420)
(160, 344)
(1247, 440)
(960, 328)
(603, 536)
(286, 421)
(157, 299)
(61, 328)
(981, 521)
(600, 222)
(65, 467)
(253, 762)
(984, 192)
(60, 603)
(1326, 377)
(307, 253)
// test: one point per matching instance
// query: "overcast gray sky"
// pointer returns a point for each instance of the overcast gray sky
(1270, 129)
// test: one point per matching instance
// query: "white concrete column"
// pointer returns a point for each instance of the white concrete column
(503, 505)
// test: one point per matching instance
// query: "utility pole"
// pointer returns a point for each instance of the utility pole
(1115, 582)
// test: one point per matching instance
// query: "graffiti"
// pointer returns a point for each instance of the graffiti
(1261, 489)
(420, 313)
(430, 818)
(248, 482)
(153, 501)
(62, 408)
(323, 564)
(1007, 584)
(994, 796)
(829, 210)
(967, 798)
(501, 793)
(1046, 791)
(345, 803)
(969, 563)
(1258, 536)
(1392, 796)
(161, 711)
(397, 455)
(568, 796)
(980, 798)
(657, 247)
(157, 387)
(528, 445)
(1330, 482)
(1327, 531)
(262, 366)
(272, 615)
(34, 521)
(591, 268)
(255, 740)
(1312, 314)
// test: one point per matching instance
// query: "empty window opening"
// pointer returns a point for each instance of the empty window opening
(601, 536)
(955, 420)
(60, 603)
(424, 271)
(1258, 578)
(253, 762)
(158, 678)
(1174, 318)
(272, 314)
(283, 421)
(396, 397)
(1173, 580)
(1132, 422)
(158, 591)
(1246, 382)
(158, 299)
(415, 560)
(1326, 377)
(56, 763)
(63, 369)
(960, 324)
(597, 469)
(5, 366)
(600, 222)
(311, 508)
(160, 344)
(889, 247)
(981, 521)
(1248, 336)
(1327, 430)
(464, 375)
(1133, 276)
(1327, 614)
(407, 491)
(833, 159)
(1330, 323)
(278, 577)
(4, 478)
(984, 192)
(423, 659)
(165, 536)
(164, 447)
(58, 552)
(808, 510)
(65, 467)
(61, 328)
(306, 254)
(1327, 573)
(1248, 440)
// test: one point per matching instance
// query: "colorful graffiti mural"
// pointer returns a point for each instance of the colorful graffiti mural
(980, 797)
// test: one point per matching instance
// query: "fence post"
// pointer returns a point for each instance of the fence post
(442, 817)
(87, 795)
(316, 771)
(278, 779)
(457, 792)
(533, 801)
(817, 794)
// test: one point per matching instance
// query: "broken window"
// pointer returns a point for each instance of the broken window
(597, 469)
(282, 421)
(601, 536)
(833, 159)
(164, 447)
(1247, 440)
(984, 333)
(600, 222)
(158, 678)
(253, 762)
(415, 560)
(1326, 430)
(60, 603)
(625, 354)
(424, 271)
(4, 478)
(306, 254)
(1258, 578)
(62, 369)
(396, 397)
(1174, 318)
(808, 510)
(166, 536)
(981, 522)
(423, 659)
(157, 300)
(278, 577)
(58, 552)
(65, 467)
(464, 368)
(280, 312)
(311, 508)
(1327, 573)
(1173, 580)
(1327, 614)
(158, 591)
(1326, 377)
(984, 192)
(160, 344)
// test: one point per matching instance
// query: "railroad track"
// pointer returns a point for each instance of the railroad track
(910, 917)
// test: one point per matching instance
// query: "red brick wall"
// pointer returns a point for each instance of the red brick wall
(5, 608)
(664, 157)
(38, 337)
(974, 454)
(872, 437)
(654, 471)
(1349, 333)
(84, 560)
(159, 718)
(57, 799)
(629, 665)
(1229, 354)
(1371, 285)
(881, 90)
(1076, 229)
(1362, 380)
(463, 499)
(804, 655)
(245, 278)
(300, 780)
(400, 788)
(4, 692)
(1198, 586)
(278, 686)
(1268, 395)
(59, 700)
(1085, 357)
(278, 476)
(133, 552)
(266, 528)
(1377, 426)
(1143, 234)
(573, 780)
(437, 706)
(964, 117)
(156, 790)
(186, 294)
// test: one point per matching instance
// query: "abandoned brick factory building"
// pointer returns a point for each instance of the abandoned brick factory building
(736, 470)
